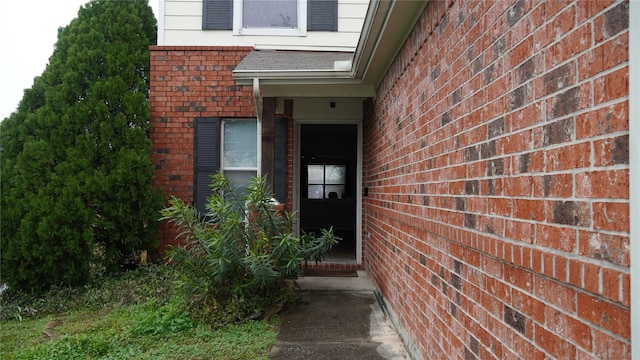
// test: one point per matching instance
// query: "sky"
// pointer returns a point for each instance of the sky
(28, 32)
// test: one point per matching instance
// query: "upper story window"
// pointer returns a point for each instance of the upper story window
(270, 17)
(279, 17)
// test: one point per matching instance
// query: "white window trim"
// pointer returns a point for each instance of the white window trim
(223, 166)
(300, 31)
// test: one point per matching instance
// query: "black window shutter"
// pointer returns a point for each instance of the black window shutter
(217, 14)
(280, 155)
(207, 158)
(322, 15)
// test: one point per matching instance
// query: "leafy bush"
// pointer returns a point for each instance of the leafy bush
(75, 168)
(239, 254)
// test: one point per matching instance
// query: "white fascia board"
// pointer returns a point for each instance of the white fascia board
(374, 22)
(634, 173)
(293, 77)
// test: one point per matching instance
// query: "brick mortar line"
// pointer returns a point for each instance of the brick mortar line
(487, 29)
(532, 339)
(532, 295)
(526, 221)
(575, 171)
(416, 153)
(414, 54)
(572, 170)
(573, 116)
(542, 99)
(532, 246)
(445, 323)
(555, 199)
(574, 58)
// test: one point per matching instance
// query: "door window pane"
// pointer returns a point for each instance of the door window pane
(334, 191)
(316, 192)
(315, 174)
(335, 174)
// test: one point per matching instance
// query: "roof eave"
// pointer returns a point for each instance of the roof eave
(391, 23)
(306, 84)
(387, 25)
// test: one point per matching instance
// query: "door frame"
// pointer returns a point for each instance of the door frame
(296, 174)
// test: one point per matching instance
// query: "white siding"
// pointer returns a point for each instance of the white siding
(183, 7)
(182, 25)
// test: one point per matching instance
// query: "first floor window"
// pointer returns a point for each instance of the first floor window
(230, 146)
(239, 152)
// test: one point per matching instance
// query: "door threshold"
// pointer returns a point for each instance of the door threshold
(330, 264)
(339, 260)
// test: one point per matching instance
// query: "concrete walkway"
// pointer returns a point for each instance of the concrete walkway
(340, 318)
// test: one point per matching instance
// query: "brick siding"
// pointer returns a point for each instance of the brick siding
(497, 161)
(189, 82)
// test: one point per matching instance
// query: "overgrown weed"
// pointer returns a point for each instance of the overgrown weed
(153, 282)
(135, 315)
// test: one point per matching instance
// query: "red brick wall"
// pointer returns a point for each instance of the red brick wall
(497, 161)
(189, 82)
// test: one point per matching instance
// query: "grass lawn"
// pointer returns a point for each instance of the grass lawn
(131, 317)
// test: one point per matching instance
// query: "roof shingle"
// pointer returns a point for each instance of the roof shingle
(271, 60)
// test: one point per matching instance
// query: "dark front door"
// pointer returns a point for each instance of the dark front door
(328, 183)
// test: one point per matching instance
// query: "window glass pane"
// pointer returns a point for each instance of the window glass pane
(239, 180)
(335, 174)
(334, 191)
(270, 13)
(240, 144)
(315, 174)
(315, 192)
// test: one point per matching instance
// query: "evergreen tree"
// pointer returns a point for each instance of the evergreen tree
(76, 171)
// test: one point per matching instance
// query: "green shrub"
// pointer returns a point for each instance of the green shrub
(239, 254)
(75, 170)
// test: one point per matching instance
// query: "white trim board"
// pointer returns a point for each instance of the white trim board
(634, 169)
